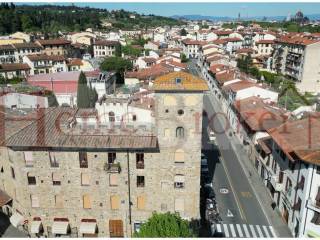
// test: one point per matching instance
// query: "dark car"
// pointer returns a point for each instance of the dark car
(208, 192)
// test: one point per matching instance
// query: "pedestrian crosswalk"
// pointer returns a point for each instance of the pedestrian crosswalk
(244, 231)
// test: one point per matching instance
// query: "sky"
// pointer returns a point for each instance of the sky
(211, 9)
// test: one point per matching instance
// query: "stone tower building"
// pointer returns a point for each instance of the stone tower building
(62, 177)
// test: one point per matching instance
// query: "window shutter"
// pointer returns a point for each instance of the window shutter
(55, 177)
(115, 202)
(34, 201)
(85, 179)
(59, 201)
(179, 156)
(28, 156)
(113, 179)
(141, 201)
(179, 205)
(86, 201)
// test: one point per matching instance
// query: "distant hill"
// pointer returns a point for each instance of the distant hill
(50, 19)
(222, 18)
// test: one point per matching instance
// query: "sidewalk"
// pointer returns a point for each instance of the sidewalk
(258, 187)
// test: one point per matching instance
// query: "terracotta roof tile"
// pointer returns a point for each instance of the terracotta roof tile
(13, 67)
(179, 81)
(57, 41)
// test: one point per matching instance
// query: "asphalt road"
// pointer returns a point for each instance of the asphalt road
(238, 204)
(228, 173)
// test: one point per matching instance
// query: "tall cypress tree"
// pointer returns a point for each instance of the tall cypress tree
(83, 94)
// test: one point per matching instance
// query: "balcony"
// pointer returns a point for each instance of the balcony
(276, 184)
(112, 167)
(313, 204)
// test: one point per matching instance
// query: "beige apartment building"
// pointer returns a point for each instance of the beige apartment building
(57, 46)
(105, 48)
(297, 57)
(64, 176)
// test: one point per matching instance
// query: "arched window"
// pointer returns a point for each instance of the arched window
(180, 132)
(111, 117)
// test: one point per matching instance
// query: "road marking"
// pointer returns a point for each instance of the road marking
(226, 231)
(272, 231)
(239, 230)
(233, 191)
(266, 231)
(253, 231)
(219, 228)
(233, 231)
(213, 102)
(246, 230)
(229, 213)
(259, 231)
(246, 194)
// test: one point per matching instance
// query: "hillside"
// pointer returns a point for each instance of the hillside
(52, 18)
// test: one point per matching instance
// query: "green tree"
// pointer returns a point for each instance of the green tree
(183, 58)
(163, 225)
(93, 96)
(83, 93)
(131, 51)
(183, 32)
(117, 64)
(26, 22)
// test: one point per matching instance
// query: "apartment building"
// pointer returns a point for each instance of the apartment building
(105, 48)
(64, 174)
(23, 49)
(12, 70)
(7, 54)
(297, 58)
(42, 63)
(57, 46)
(191, 47)
(288, 163)
(264, 47)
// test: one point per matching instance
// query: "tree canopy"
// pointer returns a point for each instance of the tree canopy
(116, 64)
(165, 225)
(183, 32)
(86, 95)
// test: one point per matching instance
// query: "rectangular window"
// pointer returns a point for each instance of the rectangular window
(28, 157)
(13, 175)
(179, 205)
(111, 157)
(113, 180)
(140, 160)
(178, 181)
(85, 179)
(58, 201)
(31, 179)
(141, 202)
(140, 181)
(86, 201)
(83, 159)
(301, 183)
(56, 180)
(115, 202)
(53, 160)
(34, 201)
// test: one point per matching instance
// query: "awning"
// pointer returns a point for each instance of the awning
(179, 178)
(88, 227)
(60, 227)
(4, 198)
(16, 219)
(36, 226)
